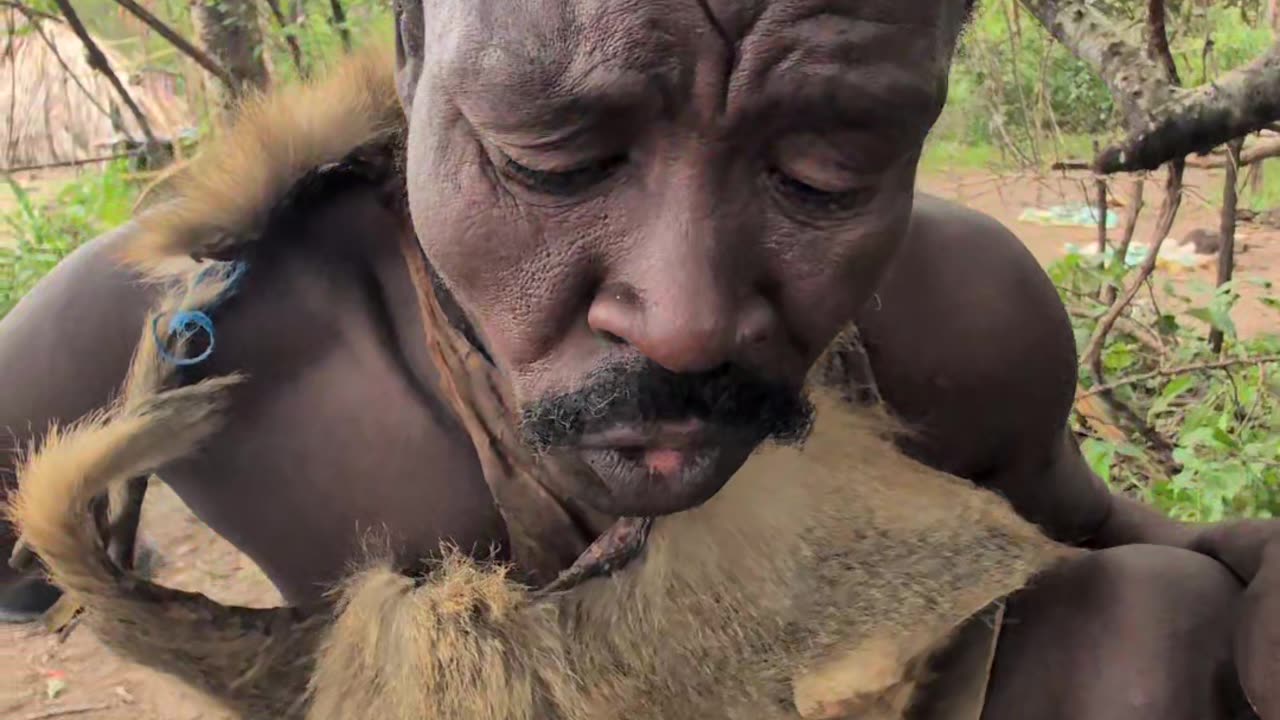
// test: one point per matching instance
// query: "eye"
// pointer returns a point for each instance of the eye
(815, 198)
(563, 183)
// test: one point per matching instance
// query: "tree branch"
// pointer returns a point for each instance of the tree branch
(35, 17)
(338, 17)
(295, 51)
(200, 57)
(1163, 122)
(1126, 236)
(98, 61)
(29, 11)
(1242, 101)
(1180, 370)
(1137, 83)
(1227, 230)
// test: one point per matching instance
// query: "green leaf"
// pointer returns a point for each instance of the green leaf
(1100, 455)
(1172, 390)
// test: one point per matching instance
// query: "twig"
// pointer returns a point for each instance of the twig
(200, 57)
(68, 710)
(66, 163)
(295, 51)
(1168, 211)
(1179, 370)
(1100, 188)
(99, 62)
(29, 11)
(1227, 229)
(1158, 42)
(34, 17)
(339, 20)
(1126, 237)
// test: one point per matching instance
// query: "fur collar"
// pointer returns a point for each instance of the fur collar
(275, 146)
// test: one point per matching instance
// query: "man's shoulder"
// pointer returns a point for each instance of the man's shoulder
(968, 337)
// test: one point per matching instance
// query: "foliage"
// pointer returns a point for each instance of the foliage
(41, 236)
(1223, 424)
(1015, 89)
(1012, 85)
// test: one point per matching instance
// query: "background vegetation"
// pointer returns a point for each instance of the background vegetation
(1198, 431)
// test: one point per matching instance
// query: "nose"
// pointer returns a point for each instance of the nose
(689, 300)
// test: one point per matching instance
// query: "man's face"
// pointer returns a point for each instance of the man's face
(658, 213)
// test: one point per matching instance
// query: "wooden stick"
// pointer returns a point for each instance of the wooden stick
(1227, 230)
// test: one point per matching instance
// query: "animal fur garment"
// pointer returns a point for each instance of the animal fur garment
(819, 578)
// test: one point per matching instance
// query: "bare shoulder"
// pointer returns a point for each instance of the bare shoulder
(970, 342)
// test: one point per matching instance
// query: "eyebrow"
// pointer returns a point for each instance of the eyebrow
(559, 109)
(836, 96)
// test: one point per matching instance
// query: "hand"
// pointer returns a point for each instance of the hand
(1251, 548)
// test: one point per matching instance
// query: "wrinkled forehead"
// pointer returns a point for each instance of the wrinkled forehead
(535, 51)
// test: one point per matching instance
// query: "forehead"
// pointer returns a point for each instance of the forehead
(534, 52)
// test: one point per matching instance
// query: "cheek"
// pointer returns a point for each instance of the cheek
(519, 274)
(824, 275)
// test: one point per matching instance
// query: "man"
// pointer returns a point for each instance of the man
(653, 217)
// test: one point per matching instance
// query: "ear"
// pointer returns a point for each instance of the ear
(409, 43)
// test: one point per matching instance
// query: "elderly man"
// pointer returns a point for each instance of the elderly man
(651, 218)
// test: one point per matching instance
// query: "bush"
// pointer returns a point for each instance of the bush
(1223, 423)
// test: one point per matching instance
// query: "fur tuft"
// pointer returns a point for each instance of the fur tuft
(224, 197)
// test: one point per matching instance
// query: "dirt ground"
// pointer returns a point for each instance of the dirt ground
(42, 678)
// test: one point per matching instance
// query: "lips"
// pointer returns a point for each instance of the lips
(678, 436)
(656, 469)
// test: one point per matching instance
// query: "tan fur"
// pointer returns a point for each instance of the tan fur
(225, 193)
(820, 575)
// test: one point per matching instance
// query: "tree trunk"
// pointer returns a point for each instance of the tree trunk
(230, 31)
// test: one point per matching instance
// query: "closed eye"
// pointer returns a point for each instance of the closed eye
(814, 198)
(563, 183)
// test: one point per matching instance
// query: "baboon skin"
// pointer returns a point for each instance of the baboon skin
(821, 575)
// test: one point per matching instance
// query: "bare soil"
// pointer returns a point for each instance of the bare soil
(42, 678)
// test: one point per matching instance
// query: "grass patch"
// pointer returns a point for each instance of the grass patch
(45, 233)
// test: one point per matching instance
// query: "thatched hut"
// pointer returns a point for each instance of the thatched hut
(54, 108)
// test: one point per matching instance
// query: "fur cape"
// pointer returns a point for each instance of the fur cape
(820, 577)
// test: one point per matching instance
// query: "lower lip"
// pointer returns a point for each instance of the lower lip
(641, 468)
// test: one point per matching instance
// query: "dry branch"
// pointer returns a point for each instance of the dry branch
(1176, 371)
(1242, 101)
(200, 57)
(1100, 195)
(1138, 83)
(1126, 236)
(295, 50)
(29, 11)
(1251, 154)
(99, 62)
(1227, 230)
(338, 16)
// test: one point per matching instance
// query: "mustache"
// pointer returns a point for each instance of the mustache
(643, 392)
